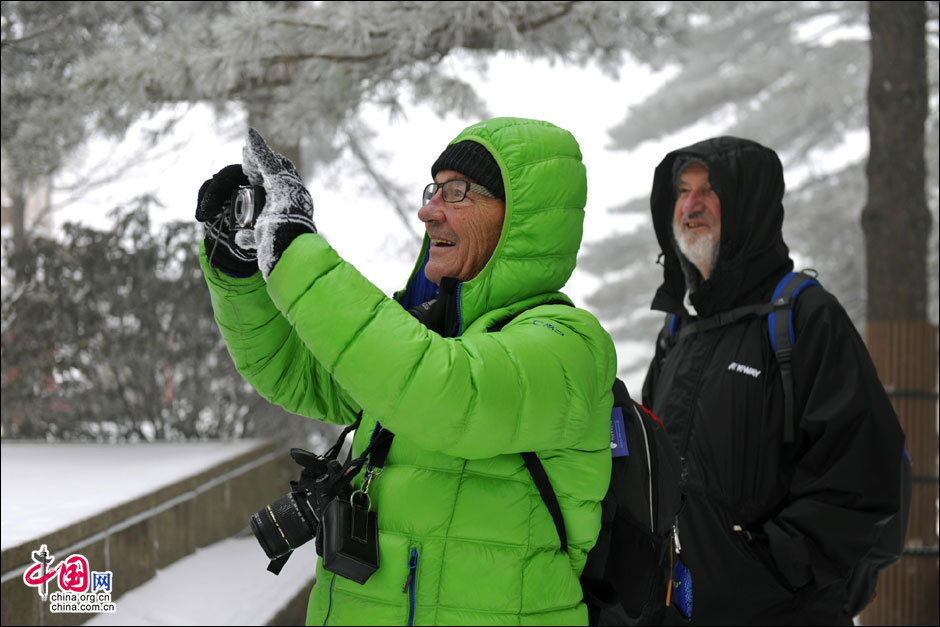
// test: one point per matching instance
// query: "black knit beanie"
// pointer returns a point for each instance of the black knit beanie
(679, 166)
(475, 161)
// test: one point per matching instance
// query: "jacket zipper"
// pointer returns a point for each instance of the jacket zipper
(690, 412)
(459, 314)
(329, 608)
(409, 586)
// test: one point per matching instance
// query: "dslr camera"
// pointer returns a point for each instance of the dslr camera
(244, 207)
(321, 505)
(294, 519)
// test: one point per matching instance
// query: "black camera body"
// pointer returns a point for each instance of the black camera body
(321, 505)
(245, 205)
(294, 519)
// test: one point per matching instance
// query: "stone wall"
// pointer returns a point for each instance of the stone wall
(134, 539)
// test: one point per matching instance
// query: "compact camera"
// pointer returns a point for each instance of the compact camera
(321, 505)
(245, 206)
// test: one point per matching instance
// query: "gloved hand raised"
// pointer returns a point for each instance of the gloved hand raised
(224, 254)
(288, 209)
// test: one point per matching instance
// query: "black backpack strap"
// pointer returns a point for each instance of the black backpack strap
(537, 470)
(532, 462)
(676, 328)
(780, 329)
(723, 318)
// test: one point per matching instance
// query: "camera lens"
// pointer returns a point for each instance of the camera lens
(284, 525)
(244, 207)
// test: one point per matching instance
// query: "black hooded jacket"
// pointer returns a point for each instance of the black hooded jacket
(771, 531)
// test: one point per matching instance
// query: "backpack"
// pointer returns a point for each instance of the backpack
(860, 589)
(632, 573)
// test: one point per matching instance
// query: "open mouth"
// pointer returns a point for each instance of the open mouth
(442, 243)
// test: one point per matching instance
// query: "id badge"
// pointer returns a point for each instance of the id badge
(682, 589)
(618, 434)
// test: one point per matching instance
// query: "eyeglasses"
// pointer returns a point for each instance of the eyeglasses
(453, 190)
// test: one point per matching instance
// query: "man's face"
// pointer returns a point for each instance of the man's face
(696, 221)
(463, 234)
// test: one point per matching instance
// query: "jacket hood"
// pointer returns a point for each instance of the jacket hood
(546, 190)
(748, 179)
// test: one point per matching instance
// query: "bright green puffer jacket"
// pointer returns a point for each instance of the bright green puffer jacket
(454, 500)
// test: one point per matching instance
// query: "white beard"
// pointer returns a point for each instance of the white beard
(701, 249)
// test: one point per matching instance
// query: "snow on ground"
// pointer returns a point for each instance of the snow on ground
(223, 584)
(46, 487)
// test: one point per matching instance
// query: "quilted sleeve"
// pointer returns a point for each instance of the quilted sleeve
(268, 352)
(538, 384)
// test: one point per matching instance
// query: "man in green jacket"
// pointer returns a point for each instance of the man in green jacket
(464, 536)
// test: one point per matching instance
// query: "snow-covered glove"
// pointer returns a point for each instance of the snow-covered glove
(223, 253)
(288, 208)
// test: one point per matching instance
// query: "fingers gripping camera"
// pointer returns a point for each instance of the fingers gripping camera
(288, 207)
(228, 202)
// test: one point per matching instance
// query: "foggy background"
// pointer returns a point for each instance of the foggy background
(113, 113)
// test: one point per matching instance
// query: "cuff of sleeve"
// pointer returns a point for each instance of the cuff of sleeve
(285, 235)
(789, 555)
(225, 262)
(284, 282)
(224, 274)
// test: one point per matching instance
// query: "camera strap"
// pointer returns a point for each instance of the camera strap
(333, 453)
(373, 457)
(349, 527)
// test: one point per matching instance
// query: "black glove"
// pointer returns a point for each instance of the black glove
(224, 254)
(288, 208)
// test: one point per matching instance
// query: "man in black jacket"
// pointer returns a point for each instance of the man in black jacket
(776, 523)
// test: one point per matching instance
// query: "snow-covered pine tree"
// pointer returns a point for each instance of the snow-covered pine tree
(793, 76)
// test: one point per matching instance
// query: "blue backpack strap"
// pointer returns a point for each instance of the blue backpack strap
(780, 329)
(667, 335)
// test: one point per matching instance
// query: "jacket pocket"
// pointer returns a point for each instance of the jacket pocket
(758, 546)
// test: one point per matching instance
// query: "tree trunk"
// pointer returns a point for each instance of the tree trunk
(896, 220)
(17, 217)
(896, 223)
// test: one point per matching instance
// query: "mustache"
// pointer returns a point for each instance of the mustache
(696, 215)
